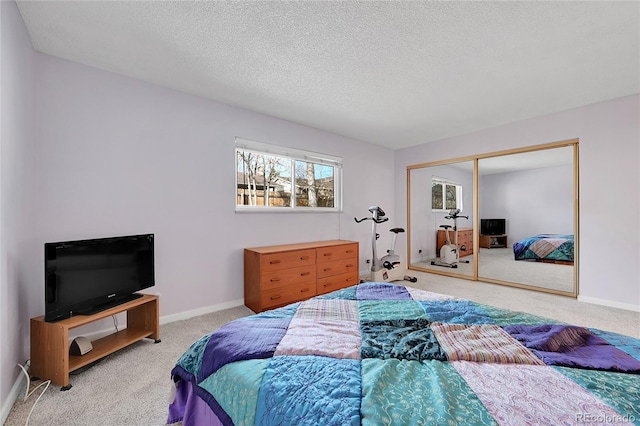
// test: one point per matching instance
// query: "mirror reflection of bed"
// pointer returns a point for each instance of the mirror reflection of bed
(533, 192)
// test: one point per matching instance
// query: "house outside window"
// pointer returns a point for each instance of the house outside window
(274, 178)
(445, 195)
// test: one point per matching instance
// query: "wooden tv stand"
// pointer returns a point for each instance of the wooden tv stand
(50, 358)
(493, 241)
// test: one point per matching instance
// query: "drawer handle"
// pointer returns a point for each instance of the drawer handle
(350, 265)
(275, 280)
(349, 251)
(325, 285)
(274, 262)
(326, 269)
(275, 297)
(304, 274)
(304, 290)
(349, 279)
(327, 254)
(304, 257)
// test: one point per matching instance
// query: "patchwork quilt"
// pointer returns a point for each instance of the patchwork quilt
(387, 354)
(545, 247)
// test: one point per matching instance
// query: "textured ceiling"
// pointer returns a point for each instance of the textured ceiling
(393, 73)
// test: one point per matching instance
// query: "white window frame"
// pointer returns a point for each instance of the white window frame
(242, 144)
(445, 181)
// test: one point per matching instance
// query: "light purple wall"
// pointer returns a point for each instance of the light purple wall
(120, 156)
(17, 191)
(609, 151)
(100, 154)
(537, 201)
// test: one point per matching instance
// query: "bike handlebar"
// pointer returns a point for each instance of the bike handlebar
(384, 219)
(455, 217)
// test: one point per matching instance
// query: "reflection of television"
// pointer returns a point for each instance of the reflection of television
(493, 226)
(85, 277)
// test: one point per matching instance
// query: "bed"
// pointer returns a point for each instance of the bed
(545, 247)
(386, 354)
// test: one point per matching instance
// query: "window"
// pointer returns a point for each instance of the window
(445, 195)
(273, 178)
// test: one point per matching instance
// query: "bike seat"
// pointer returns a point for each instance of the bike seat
(396, 230)
(445, 226)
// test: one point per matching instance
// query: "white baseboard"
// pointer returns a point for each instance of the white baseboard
(609, 303)
(170, 318)
(201, 311)
(14, 394)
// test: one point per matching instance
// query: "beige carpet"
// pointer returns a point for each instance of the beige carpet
(498, 264)
(132, 386)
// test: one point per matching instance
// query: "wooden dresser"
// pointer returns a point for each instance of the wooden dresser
(278, 275)
(465, 238)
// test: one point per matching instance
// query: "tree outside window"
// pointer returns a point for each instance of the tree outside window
(276, 178)
(445, 195)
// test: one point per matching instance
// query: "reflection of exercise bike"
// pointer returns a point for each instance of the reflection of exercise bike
(388, 268)
(449, 252)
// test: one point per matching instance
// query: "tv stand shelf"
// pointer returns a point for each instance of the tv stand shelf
(50, 358)
(493, 241)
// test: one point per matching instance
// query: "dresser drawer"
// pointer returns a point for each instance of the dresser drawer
(465, 238)
(288, 294)
(337, 267)
(336, 282)
(285, 277)
(287, 259)
(462, 236)
(345, 251)
(277, 275)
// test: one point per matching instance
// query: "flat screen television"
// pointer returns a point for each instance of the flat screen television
(493, 226)
(87, 276)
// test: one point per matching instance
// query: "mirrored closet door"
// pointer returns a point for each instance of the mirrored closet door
(517, 220)
(440, 206)
(527, 219)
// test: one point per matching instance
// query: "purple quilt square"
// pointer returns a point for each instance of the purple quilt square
(382, 291)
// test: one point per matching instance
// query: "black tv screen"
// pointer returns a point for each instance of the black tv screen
(493, 226)
(86, 276)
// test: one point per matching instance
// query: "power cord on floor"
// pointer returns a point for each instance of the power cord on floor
(27, 394)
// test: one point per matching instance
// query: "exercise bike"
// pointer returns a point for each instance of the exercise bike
(449, 252)
(388, 268)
